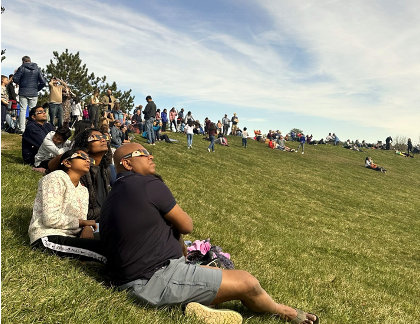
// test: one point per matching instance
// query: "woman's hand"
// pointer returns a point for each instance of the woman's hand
(83, 223)
(87, 233)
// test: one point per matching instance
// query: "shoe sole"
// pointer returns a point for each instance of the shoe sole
(213, 316)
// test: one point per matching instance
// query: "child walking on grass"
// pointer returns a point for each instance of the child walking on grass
(189, 130)
(245, 135)
(301, 143)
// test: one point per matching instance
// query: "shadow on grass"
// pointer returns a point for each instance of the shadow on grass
(11, 158)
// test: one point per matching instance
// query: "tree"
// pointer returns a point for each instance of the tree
(3, 51)
(296, 131)
(69, 68)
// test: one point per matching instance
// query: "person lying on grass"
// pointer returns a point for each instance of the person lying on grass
(370, 165)
(59, 222)
(145, 257)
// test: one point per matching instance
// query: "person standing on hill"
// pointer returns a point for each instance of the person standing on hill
(409, 146)
(388, 142)
(108, 101)
(301, 143)
(56, 100)
(225, 122)
(30, 80)
(172, 118)
(149, 117)
(212, 135)
(235, 122)
(245, 136)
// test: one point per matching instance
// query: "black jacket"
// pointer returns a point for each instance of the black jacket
(32, 139)
(149, 110)
(11, 91)
(30, 80)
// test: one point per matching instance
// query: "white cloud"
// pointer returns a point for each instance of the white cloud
(364, 56)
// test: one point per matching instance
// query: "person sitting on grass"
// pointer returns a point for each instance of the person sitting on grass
(370, 165)
(282, 145)
(55, 143)
(118, 135)
(98, 179)
(145, 258)
(157, 126)
(59, 224)
(36, 130)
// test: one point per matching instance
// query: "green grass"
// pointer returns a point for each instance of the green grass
(320, 231)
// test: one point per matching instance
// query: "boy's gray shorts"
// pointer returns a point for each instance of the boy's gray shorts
(178, 283)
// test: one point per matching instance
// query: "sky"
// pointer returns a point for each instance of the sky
(349, 67)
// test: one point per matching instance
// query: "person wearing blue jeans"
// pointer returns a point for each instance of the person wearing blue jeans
(212, 133)
(30, 80)
(56, 110)
(149, 116)
(149, 131)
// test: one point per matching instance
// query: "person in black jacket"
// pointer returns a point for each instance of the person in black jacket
(34, 134)
(149, 117)
(30, 80)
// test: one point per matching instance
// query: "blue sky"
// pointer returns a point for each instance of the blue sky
(352, 68)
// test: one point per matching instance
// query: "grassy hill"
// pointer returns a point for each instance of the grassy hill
(321, 233)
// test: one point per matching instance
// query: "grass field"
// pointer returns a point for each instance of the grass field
(321, 233)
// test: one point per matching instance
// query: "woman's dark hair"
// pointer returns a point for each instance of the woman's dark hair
(367, 158)
(66, 155)
(65, 132)
(190, 123)
(158, 110)
(104, 114)
(212, 126)
(81, 142)
(80, 126)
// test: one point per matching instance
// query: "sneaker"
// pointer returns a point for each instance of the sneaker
(212, 316)
(191, 147)
(208, 150)
(303, 152)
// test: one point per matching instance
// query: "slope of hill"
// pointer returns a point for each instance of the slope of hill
(321, 233)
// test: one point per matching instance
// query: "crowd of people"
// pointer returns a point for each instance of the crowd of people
(83, 204)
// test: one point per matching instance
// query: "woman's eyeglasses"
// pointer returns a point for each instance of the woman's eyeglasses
(79, 155)
(136, 153)
(99, 137)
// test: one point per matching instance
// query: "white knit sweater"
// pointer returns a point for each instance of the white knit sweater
(58, 207)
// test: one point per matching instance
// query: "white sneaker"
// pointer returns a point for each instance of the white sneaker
(208, 150)
(212, 316)
(303, 152)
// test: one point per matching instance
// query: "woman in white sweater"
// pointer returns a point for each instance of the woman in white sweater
(59, 221)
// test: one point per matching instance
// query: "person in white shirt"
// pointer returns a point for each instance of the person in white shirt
(54, 143)
(59, 222)
(245, 136)
(189, 130)
(76, 111)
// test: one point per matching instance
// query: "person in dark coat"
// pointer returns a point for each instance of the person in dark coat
(30, 80)
(34, 134)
